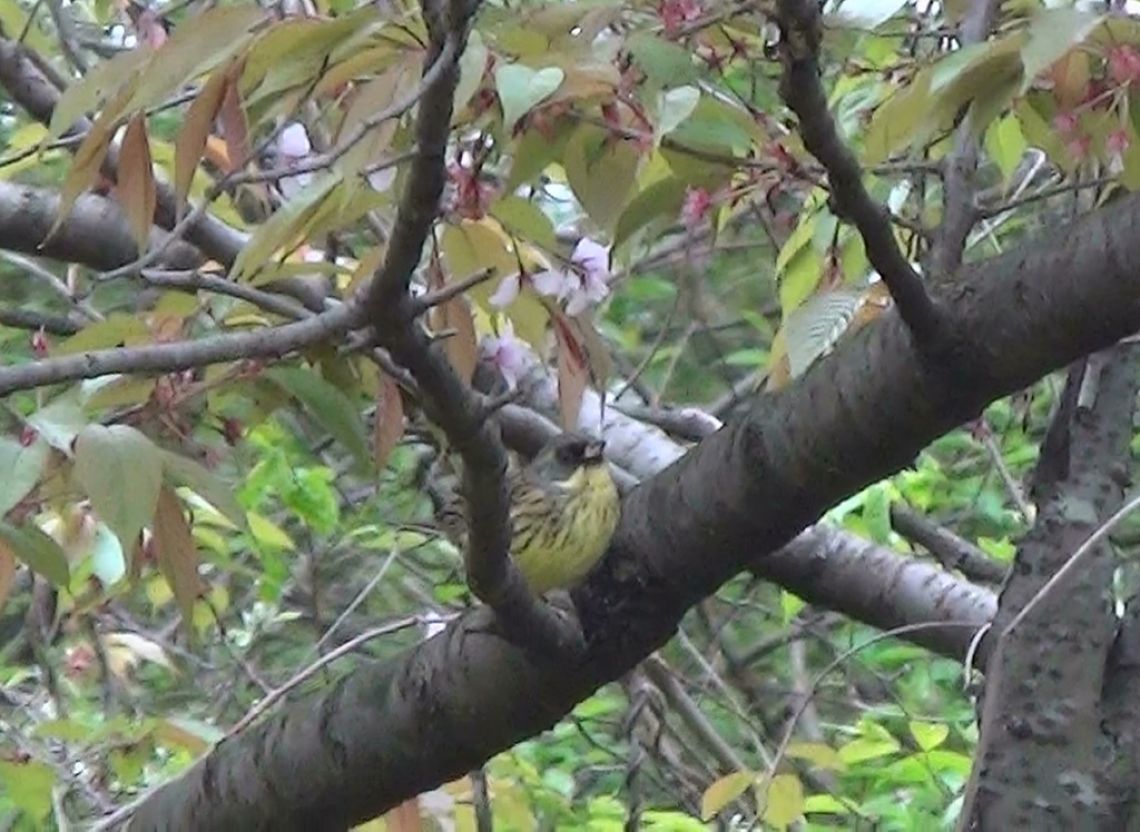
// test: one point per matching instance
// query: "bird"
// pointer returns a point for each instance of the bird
(564, 508)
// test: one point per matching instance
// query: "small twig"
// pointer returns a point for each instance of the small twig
(451, 290)
(308, 672)
(782, 749)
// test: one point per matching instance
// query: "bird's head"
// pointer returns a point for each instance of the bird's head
(567, 455)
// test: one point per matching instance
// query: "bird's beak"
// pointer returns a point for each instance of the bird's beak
(593, 451)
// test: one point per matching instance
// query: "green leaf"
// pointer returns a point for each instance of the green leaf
(929, 735)
(22, 467)
(663, 62)
(121, 471)
(865, 748)
(524, 219)
(472, 64)
(108, 563)
(877, 513)
(28, 785)
(207, 485)
(817, 753)
(60, 421)
(521, 88)
(288, 225)
(663, 198)
(329, 406)
(826, 804)
(674, 106)
(117, 330)
(724, 791)
(1005, 144)
(38, 551)
(267, 533)
(600, 172)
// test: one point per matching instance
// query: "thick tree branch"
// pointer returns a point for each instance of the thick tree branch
(95, 234)
(949, 549)
(401, 727)
(270, 342)
(800, 87)
(22, 78)
(1044, 686)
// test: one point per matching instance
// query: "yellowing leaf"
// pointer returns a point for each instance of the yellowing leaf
(1052, 33)
(198, 45)
(898, 120)
(865, 748)
(125, 650)
(929, 735)
(104, 81)
(470, 247)
(724, 791)
(121, 471)
(136, 188)
(268, 533)
(817, 753)
(191, 141)
(785, 803)
(176, 553)
(523, 218)
(286, 227)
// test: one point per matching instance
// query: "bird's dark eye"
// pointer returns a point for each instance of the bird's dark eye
(571, 453)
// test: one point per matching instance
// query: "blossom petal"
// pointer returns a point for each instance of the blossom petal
(506, 292)
(552, 283)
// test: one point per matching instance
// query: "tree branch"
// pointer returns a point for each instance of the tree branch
(950, 550)
(801, 90)
(401, 727)
(446, 399)
(182, 355)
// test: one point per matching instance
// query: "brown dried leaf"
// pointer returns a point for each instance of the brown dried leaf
(573, 372)
(136, 189)
(191, 141)
(389, 425)
(235, 128)
(176, 553)
(7, 572)
(454, 317)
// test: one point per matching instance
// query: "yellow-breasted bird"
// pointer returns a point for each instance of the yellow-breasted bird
(563, 511)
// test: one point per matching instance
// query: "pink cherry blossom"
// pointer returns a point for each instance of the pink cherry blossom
(1117, 142)
(696, 207)
(293, 145)
(509, 354)
(585, 284)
